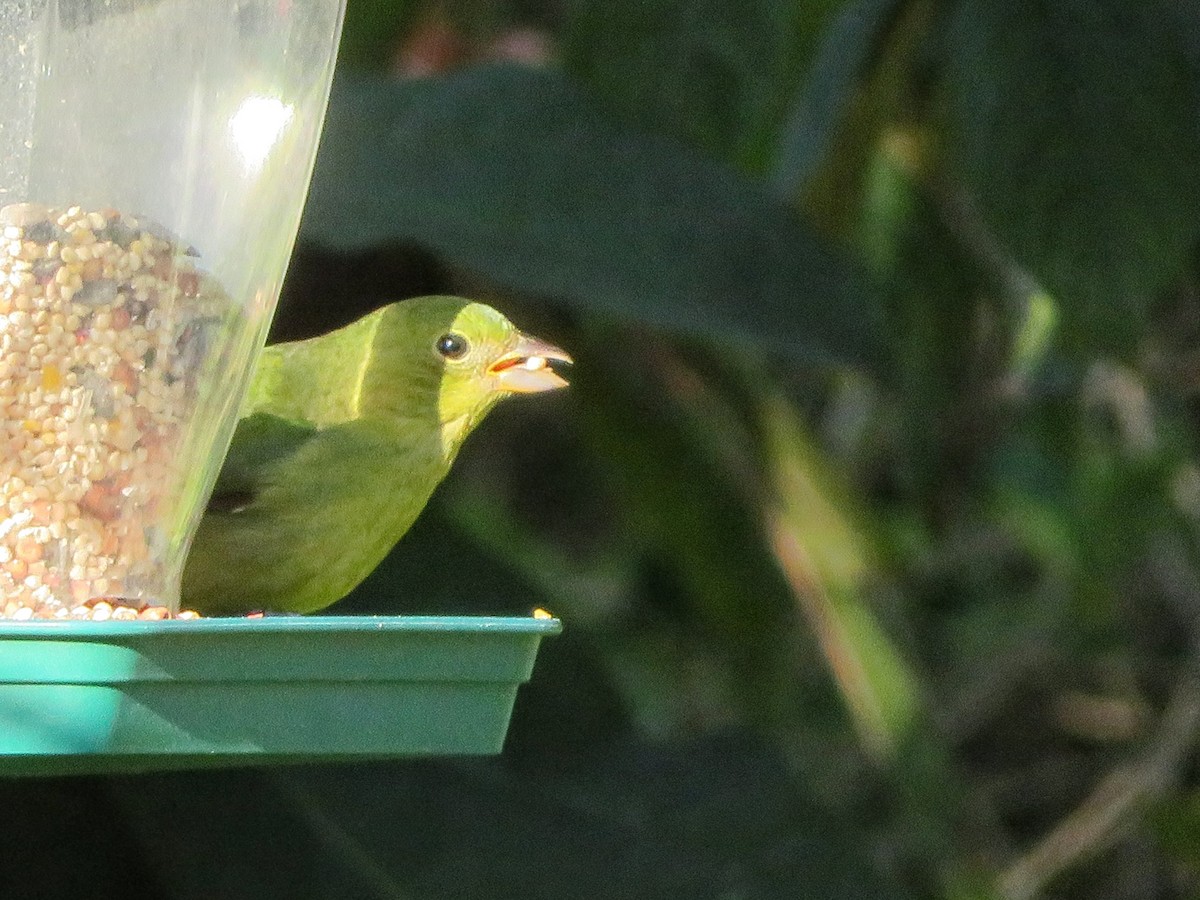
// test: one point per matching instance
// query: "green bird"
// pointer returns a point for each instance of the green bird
(342, 440)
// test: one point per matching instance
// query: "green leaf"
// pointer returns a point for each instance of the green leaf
(674, 475)
(711, 72)
(370, 32)
(1074, 122)
(824, 546)
(512, 174)
(850, 45)
(58, 862)
(715, 816)
(1175, 825)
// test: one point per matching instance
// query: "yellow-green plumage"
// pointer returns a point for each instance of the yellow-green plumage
(343, 438)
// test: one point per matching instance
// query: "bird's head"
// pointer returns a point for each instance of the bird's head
(472, 356)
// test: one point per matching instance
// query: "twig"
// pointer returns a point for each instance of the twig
(964, 220)
(978, 699)
(336, 838)
(1115, 806)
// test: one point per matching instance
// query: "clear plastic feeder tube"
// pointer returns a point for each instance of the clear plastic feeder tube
(154, 156)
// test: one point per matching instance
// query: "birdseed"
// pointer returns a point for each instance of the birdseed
(106, 332)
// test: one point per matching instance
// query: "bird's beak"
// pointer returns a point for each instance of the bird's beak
(526, 368)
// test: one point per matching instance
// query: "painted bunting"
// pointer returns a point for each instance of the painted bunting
(342, 440)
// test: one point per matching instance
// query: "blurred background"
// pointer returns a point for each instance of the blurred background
(872, 512)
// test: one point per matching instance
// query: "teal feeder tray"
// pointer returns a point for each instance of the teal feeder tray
(89, 697)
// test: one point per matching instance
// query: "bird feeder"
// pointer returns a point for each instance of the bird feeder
(154, 156)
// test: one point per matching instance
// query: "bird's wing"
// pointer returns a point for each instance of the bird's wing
(261, 443)
(302, 514)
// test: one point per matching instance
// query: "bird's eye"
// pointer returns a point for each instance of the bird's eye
(452, 346)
